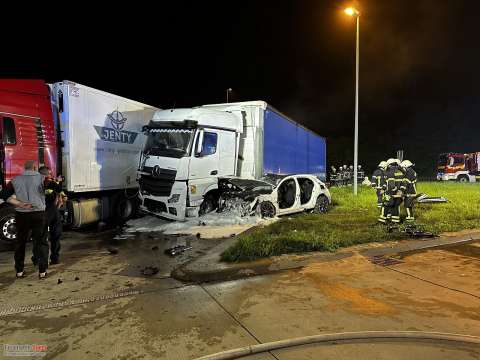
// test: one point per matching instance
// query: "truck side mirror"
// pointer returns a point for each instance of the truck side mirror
(199, 146)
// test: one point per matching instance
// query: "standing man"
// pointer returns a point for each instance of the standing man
(378, 179)
(29, 200)
(410, 188)
(53, 219)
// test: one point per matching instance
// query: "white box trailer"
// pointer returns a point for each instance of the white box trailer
(100, 144)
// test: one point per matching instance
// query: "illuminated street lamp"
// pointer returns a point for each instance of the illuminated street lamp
(355, 13)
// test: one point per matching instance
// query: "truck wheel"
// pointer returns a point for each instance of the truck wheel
(8, 229)
(124, 209)
(321, 206)
(208, 205)
(463, 178)
(267, 209)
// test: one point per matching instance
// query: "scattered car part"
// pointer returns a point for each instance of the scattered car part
(424, 198)
(149, 270)
(418, 231)
(176, 250)
(112, 251)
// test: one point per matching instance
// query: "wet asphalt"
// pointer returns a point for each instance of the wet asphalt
(430, 290)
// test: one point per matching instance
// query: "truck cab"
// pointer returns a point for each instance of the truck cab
(185, 153)
(27, 132)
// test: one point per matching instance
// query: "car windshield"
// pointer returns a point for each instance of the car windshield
(168, 142)
(273, 179)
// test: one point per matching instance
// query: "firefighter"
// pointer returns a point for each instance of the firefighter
(333, 175)
(54, 198)
(340, 176)
(395, 187)
(410, 189)
(378, 179)
(346, 175)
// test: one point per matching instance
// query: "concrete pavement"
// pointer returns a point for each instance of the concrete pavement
(429, 289)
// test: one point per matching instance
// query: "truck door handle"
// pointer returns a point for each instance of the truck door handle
(214, 172)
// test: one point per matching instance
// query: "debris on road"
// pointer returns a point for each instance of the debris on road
(112, 250)
(77, 278)
(424, 198)
(413, 230)
(154, 248)
(418, 231)
(176, 250)
(59, 281)
(149, 270)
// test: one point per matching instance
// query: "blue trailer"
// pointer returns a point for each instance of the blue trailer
(273, 143)
(290, 148)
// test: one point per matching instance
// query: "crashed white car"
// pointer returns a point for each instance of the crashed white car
(274, 195)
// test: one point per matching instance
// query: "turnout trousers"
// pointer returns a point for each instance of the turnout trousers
(409, 200)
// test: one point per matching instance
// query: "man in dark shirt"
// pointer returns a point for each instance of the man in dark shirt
(53, 225)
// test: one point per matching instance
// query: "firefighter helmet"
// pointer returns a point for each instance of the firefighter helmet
(393, 162)
(406, 164)
(382, 165)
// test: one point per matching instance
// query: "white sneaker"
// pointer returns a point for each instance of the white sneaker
(42, 275)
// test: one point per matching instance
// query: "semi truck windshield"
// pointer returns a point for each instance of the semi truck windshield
(168, 142)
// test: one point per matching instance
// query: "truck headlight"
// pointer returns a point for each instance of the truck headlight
(174, 198)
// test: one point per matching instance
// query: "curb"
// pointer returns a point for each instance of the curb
(209, 268)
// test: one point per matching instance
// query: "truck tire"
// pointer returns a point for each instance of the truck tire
(267, 209)
(321, 206)
(124, 209)
(8, 230)
(463, 178)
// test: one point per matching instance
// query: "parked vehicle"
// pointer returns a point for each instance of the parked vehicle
(274, 195)
(459, 167)
(187, 150)
(92, 138)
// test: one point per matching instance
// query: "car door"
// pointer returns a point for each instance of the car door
(204, 166)
(288, 196)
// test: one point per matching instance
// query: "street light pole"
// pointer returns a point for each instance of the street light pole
(356, 14)
(229, 90)
(355, 155)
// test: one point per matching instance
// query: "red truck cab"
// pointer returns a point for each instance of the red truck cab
(27, 131)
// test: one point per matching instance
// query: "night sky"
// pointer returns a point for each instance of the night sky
(419, 64)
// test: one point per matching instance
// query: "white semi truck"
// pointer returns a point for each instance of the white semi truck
(187, 150)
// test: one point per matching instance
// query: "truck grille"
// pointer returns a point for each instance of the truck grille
(166, 174)
(155, 206)
(155, 186)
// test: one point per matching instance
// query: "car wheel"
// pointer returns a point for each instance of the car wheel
(267, 209)
(463, 178)
(8, 229)
(322, 204)
(208, 205)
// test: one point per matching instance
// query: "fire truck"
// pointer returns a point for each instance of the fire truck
(91, 137)
(459, 167)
